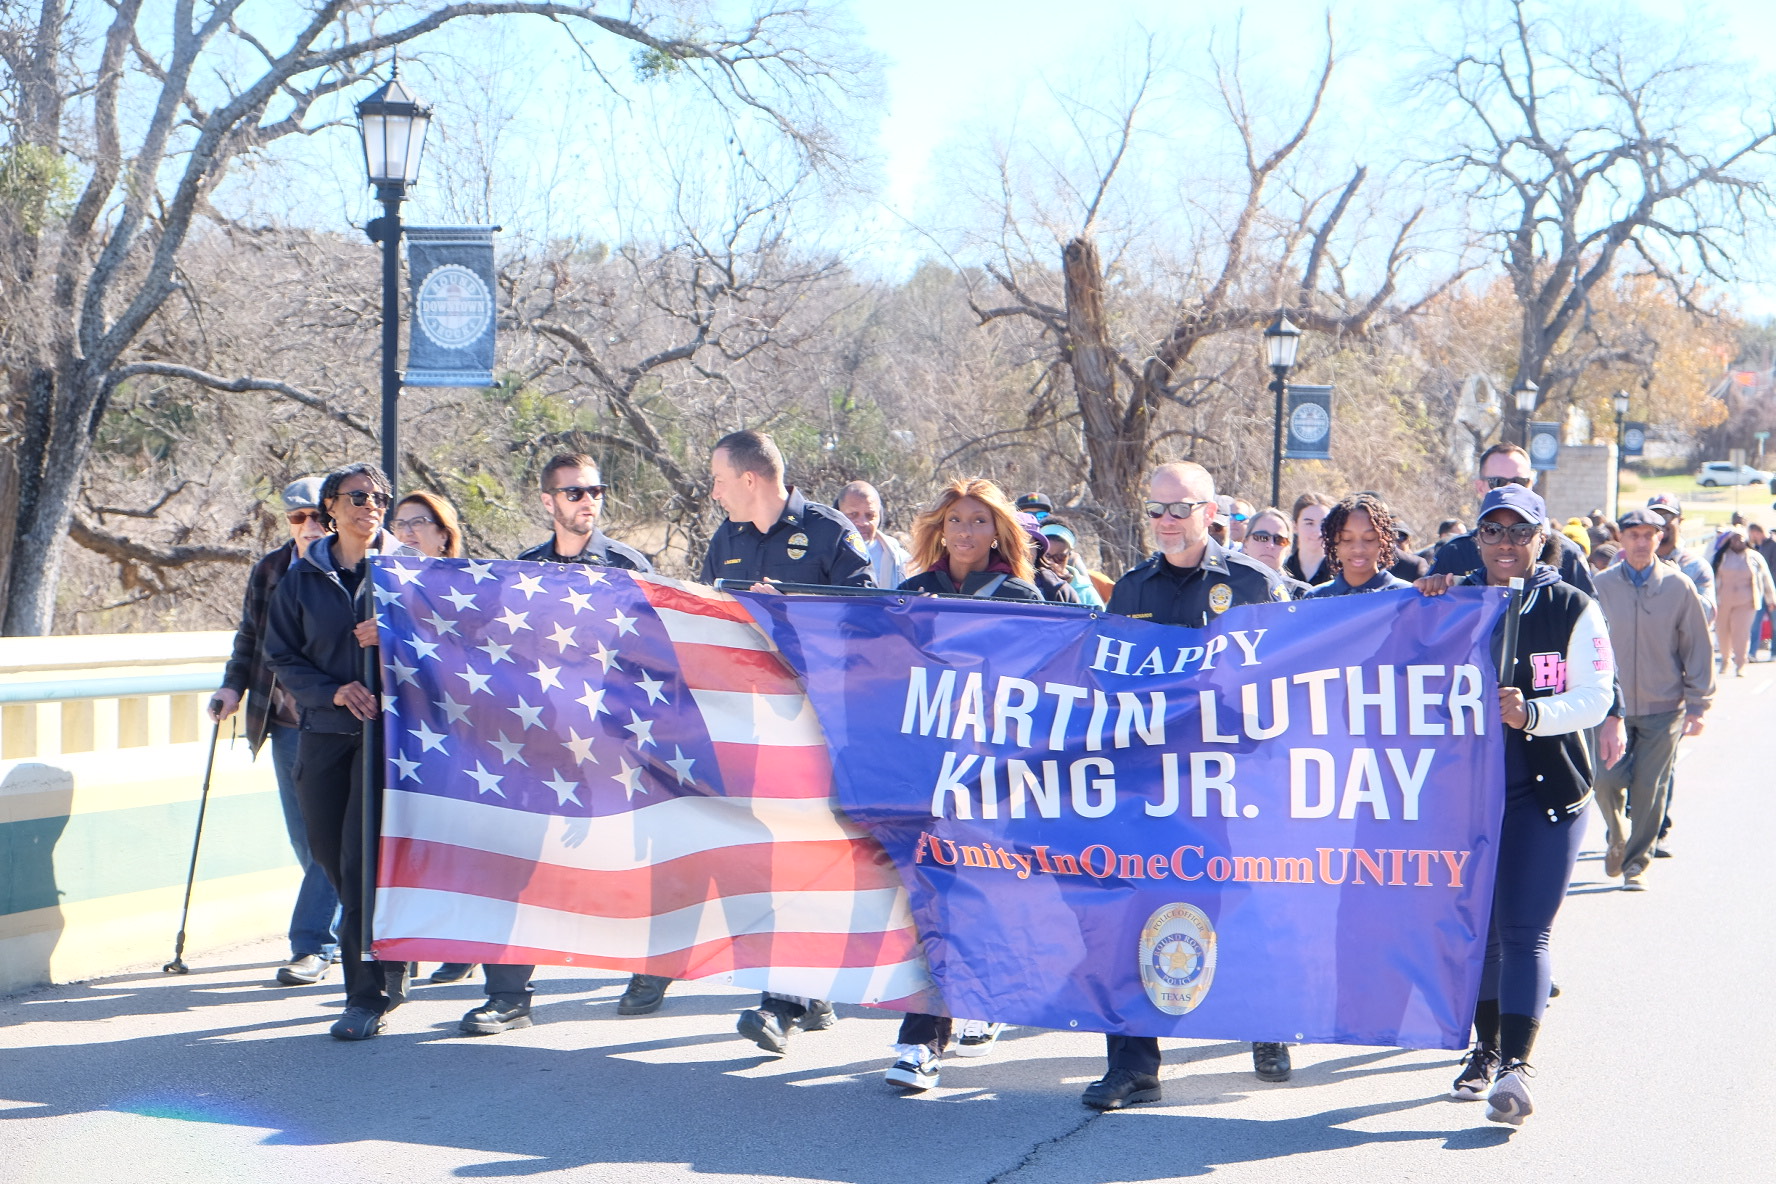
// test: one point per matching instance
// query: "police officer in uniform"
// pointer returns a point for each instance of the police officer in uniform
(573, 497)
(775, 533)
(1191, 581)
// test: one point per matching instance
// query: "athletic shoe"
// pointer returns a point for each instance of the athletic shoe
(1662, 849)
(1479, 1067)
(765, 1028)
(818, 1017)
(1119, 1088)
(644, 995)
(1271, 1061)
(304, 971)
(501, 1013)
(977, 1038)
(451, 972)
(1632, 880)
(358, 1023)
(914, 1069)
(1612, 859)
(1509, 1101)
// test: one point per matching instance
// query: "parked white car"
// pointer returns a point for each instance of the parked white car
(1720, 472)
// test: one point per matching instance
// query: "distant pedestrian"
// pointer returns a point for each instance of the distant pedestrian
(1764, 545)
(1063, 559)
(1671, 549)
(1666, 674)
(272, 714)
(1743, 589)
(862, 504)
(1268, 539)
(428, 524)
(1407, 565)
(1602, 555)
(1307, 562)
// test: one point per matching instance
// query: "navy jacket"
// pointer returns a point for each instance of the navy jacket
(808, 544)
(1158, 591)
(1011, 588)
(600, 551)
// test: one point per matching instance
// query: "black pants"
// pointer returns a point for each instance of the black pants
(330, 788)
(932, 1030)
(511, 982)
(1137, 1054)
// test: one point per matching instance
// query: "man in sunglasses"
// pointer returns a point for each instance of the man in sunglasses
(1501, 465)
(573, 497)
(273, 715)
(1191, 581)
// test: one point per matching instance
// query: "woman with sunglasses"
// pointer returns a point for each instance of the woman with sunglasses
(1548, 772)
(314, 641)
(1358, 535)
(1267, 541)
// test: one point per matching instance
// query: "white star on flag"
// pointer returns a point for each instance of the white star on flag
(453, 710)
(530, 585)
(652, 686)
(480, 570)
(407, 575)
(439, 625)
(629, 779)
(424, 649)
(623, 624)
(385, 595)
(495, 651)
(562, 637)
(565, 791)
(390, 703)
(514, 621)
(579, 600)
(486, 782)
(512, 750)
(532, 716)
(643, 728)
(546, 675)
(402, 673)
(476, 680)
(409, 769)
(430, 739)
(462, 600)
(593, 575)
(681, 764)
(581, 749)
(606, 656)
(593, 701)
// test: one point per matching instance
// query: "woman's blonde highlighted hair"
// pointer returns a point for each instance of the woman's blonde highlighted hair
(1014, 541)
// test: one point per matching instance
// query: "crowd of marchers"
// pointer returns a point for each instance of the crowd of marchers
(1637, 620)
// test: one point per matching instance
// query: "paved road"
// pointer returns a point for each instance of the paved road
(1657, 1063)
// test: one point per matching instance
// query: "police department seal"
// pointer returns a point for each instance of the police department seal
(797, 545)
(1177, 953)
(1220, 598)
(452, 306)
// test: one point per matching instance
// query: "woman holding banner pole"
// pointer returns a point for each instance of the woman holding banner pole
(1558, 684)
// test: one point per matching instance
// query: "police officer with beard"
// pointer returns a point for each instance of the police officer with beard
(1191, 581)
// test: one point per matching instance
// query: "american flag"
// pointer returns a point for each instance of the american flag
(589, 767)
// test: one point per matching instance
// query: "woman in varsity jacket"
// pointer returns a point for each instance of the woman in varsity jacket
(1560, 686)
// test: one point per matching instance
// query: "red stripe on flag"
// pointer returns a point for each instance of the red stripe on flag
(713, 605)
(833, 865)
(722, 668)
(751, 951)
(763, 771)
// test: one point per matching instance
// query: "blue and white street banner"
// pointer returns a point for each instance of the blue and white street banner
(1544, 446)
(1280, 827)
(1307, 432)
(450, 339)
(1634, 439)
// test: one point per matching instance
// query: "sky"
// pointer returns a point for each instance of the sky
(954, 73)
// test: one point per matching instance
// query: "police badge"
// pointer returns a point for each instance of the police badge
(1177, 952)
(1220, 598)
(798, 545)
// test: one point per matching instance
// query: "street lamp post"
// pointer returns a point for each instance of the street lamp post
(1525, 395)
(1620, 399)
(1281, 341)
(393, 126)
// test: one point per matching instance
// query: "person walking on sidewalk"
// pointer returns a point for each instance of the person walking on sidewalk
(1660, 635)
(1742, 589)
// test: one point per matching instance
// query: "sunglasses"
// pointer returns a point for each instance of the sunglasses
(304, 517)
(574, 493)
(366, 497)
(1500, 482)
(1520, 533)
(1175, 509)
(413, 523)
(1265, 536)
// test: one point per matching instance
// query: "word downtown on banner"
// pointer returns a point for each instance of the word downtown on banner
(1279, 827)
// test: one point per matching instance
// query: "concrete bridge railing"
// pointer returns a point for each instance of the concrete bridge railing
(102, 748)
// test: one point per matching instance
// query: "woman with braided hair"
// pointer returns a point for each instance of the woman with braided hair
(1360, 543)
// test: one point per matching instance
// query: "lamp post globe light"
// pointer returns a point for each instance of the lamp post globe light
(1281, 342)
(392, 124)
(1525, 395)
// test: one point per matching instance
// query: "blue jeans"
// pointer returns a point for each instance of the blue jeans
(314, 923)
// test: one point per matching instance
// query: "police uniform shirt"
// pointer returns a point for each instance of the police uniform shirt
(600, 551)
(808, 544)
(1193, 596)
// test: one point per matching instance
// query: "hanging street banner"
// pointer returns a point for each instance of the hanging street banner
(1280, 827)
(1308, 428)
(1544, 446)
(450, 338)
(1634, 439)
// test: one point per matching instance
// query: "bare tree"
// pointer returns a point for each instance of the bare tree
(80, 292)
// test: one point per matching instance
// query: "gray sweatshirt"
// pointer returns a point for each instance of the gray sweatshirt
(1664, 655)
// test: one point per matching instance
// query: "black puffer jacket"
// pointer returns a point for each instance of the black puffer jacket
(1009, 588)
(308, 634)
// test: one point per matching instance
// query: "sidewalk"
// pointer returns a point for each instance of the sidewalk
(1656, 1063)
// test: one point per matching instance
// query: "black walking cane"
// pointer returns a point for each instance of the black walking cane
(177, 965)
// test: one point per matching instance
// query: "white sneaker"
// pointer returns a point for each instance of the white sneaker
(977, 1038)
(914, 1068)
(1509, 1101)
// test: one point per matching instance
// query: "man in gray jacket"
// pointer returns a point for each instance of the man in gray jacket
(1665, 661)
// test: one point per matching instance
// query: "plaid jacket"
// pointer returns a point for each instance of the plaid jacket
(247, 673)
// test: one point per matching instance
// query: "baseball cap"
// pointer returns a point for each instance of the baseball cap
(1640, 517)
(1520, 501)
(1665, 503)
(1035, 503)
(1033, 528)
(303, 494)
